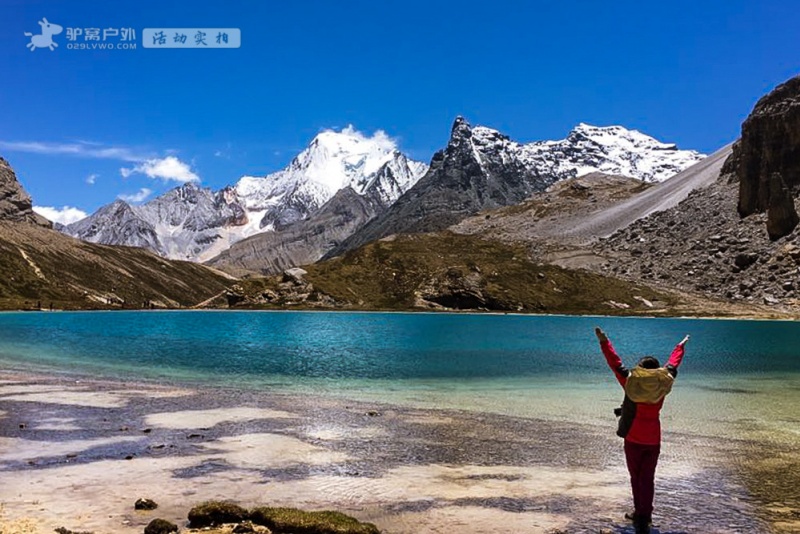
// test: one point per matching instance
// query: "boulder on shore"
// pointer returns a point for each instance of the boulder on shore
(160, 526)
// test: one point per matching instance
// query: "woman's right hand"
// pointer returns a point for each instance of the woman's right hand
(601, 336)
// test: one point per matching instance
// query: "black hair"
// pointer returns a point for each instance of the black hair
(649, 362)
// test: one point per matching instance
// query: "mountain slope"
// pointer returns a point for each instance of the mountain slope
(449, 271)
(43, 267)
(194, 223)
(482, 169)
(660, 197)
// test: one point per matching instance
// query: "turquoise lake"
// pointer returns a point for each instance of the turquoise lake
(504, 407)
(738, 376)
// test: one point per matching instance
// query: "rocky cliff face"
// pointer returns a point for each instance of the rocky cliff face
(302, 242)
(15, 203)
(770, 144)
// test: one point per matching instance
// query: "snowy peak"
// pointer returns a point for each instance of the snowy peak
(586, 149)
(332, 161)
(335, 160)
(617, 136)
(611, 150)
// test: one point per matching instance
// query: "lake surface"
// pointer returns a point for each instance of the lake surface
(503, 392)
(531, 366)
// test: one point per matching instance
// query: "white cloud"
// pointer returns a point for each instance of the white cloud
(81, 148)
(92, 178)
(168, 168)
(63, 215)
(380, 137)
(140, 196)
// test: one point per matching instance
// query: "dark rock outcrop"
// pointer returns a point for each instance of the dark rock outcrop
(781, 214)
(770, 143)
(15, 203)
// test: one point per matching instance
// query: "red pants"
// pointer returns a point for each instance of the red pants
(642, 461)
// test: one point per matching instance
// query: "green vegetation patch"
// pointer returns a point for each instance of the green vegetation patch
(214, 513)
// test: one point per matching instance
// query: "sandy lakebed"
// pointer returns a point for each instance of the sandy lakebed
(78, 451)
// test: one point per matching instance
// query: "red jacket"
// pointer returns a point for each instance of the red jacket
(646, 427)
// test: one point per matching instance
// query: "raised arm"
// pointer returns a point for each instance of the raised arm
(612, 358)
(676, 357)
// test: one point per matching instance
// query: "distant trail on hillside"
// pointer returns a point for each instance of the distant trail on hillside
(661, 197)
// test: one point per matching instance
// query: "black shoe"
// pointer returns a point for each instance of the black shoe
(641, 526)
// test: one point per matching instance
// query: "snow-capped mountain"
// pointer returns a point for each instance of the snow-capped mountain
(181, 224)
(610, 150)
(586, 149)
(372, 166)
(194, 223)
(483, 169)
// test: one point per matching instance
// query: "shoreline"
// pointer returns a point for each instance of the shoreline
(89, 447)
(786, 317)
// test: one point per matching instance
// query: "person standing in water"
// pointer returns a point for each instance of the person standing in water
(645, 387)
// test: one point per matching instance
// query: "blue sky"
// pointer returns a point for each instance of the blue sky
(684, 72)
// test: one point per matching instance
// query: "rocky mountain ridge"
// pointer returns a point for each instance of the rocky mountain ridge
(15, 203)
(483, 169)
